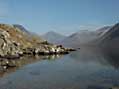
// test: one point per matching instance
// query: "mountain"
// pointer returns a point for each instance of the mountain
(111, 34)
(71, 41)
(15, 41)
(84, 37)
(101, 31)
(109, 42)
(111, 37)
(53, 37)
(79, 38)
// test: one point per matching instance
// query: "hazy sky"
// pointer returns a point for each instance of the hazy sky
(64, 16)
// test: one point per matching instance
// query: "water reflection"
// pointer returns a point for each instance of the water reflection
(8, 66)
(112, 57)
(88, 68)
(106, 63)
(102, 56)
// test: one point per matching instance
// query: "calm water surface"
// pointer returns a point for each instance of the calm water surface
(87, 68)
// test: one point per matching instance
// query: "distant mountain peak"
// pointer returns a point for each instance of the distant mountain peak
(53, 37)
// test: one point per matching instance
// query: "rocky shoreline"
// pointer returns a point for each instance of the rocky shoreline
(9, 60)
(44, 50)
(48, 50)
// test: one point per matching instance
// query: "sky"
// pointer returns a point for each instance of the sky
(63, 16)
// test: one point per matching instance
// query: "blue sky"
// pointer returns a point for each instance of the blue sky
(64, 16)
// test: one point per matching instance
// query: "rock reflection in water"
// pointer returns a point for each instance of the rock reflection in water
(8, 65)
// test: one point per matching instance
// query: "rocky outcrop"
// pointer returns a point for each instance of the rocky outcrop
(15, 42)
(7, 46)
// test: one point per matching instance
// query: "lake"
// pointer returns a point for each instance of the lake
(87, 68)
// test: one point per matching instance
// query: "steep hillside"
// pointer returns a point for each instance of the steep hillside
(79, 38)
(110, 39)
(112, 33)
(29, 35)
(19, 36)
(21, 28)
(101, 31)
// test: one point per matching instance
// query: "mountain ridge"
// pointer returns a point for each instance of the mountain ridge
(53, 37)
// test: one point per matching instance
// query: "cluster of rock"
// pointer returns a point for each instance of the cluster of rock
(14, 43)
(44, 49)
(7, 46)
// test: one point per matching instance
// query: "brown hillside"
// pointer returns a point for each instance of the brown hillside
(22, 38)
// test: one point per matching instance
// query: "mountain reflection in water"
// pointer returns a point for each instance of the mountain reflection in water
(87, 68)
(102, 56)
